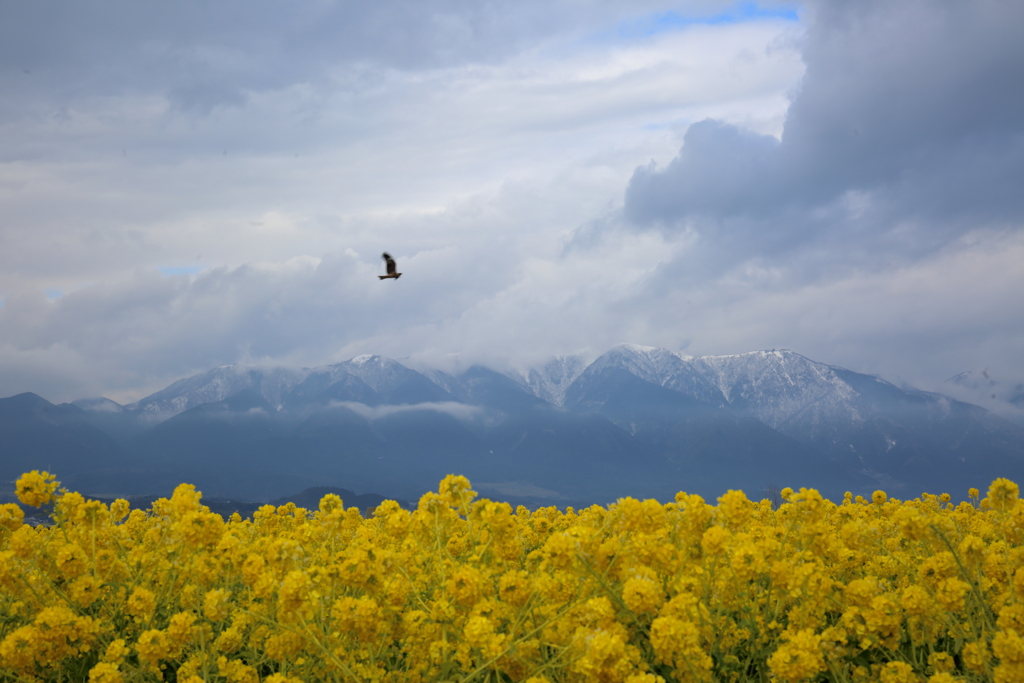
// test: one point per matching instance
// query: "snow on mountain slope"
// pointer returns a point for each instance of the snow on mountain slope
(901, 438)
(382, 374)
(780, 386)
(446, 382)
(393, 382)
(551, 380)
(390, 381)
(661, 367)
(217, 385)
(646, 362)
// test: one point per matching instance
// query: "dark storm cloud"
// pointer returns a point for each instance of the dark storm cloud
(907, 131)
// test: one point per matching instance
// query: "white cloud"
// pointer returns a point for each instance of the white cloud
(270, 171)
(460, 411)
(317, 166)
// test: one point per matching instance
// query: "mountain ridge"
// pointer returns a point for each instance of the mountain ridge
(636, 421)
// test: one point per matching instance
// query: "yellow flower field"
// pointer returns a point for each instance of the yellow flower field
(472, 590)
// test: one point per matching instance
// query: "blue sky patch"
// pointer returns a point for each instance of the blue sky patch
(673, 21)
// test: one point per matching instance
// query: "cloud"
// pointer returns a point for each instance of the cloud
(205, 56)
(460, 411)
(906, 132)
(722, 170)
(209, 186)
(98, 179)
(998, 389)
(191, 226)
(882, 229)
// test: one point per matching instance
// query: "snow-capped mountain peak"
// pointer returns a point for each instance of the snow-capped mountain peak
(639, 349)
(378, 372)
(775, 385)
(661, 367)
(646, 362)
(218, 384)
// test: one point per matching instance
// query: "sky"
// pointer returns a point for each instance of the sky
(187, 185)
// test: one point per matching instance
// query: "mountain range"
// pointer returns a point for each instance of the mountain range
(637, 421)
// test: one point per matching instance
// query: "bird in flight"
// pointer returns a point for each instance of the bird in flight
(391, 267)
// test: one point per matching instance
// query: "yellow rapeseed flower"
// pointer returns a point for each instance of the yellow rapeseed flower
(799, 658)
(11, 516)
(141, 603)
(898, 672)
(637, 592)
(1002, 494)
(36, 488)
(105, 672)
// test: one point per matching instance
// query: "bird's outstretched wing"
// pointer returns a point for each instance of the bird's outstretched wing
(390, 262)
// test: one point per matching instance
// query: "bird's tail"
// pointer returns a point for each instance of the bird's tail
(383, 277)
